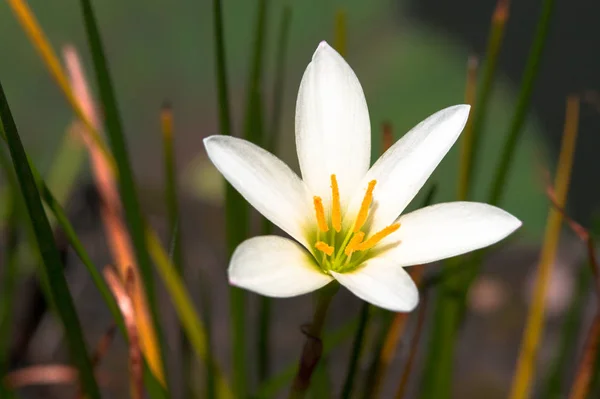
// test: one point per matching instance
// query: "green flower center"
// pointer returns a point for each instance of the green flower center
(343, 249)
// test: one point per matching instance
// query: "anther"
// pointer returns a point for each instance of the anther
(375, 238)
(323, 247)
(354, 242)
(336, 211)
(364, 208)
(320, 212)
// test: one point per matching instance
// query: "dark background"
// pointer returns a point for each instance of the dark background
(411, 60)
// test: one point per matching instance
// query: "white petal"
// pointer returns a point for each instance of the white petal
(333, 132)
(445, 230)
(275, 266)
(406, 166)
(382, 282)
(264, 181)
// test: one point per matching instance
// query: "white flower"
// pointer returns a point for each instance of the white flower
(344, 215)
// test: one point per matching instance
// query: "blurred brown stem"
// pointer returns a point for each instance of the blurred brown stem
(313, 347)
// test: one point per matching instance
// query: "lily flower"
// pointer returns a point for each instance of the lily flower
(344, 215)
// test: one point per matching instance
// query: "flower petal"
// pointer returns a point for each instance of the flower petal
(275, 266)
(333, 132)
(406, 166)
(445, 230)
(264, 181)
(382, 282)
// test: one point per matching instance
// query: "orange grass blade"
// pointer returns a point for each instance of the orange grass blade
(123, 297)
(116, 231)
(42, 45)
(531, 338)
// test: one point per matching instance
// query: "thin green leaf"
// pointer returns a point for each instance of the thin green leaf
(321, 385)
(479, 111)
(66, 166)
(127, 187)
(359, 339)
(7, 292)
(571, 329)
(279, 87)
(172, 202)
(516, 126)
(52, 268)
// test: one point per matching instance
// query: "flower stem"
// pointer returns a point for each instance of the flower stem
(313, 347)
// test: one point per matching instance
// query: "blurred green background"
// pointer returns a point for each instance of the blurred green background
(163, 51)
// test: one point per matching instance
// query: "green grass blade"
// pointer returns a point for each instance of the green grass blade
(67, 164)
(53, 205)
(253, 123)
(264, 330)
(63, 221)
(221, 69)
(571, 329)
(450, 302)
(516, 126)
(321, 383)
(283, 34)
(174, 217)
(127, 187)
(357, 346)
(479, 111)
(52, 268)
(236, 210)
(7, 291)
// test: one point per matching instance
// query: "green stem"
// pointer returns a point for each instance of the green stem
(253, 124)
(221, 69)
(172, 202)
(437, 375)
(569, 336)
(9, 280)
(527, 84)
(321, 383)
(279, 86)
(264, 337)
(479, 111)
(313, 347)
(236, 213)
(356, 350)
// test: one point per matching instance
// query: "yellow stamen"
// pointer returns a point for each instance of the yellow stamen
(354, 242)
(375, 238)
(327, 249)
(320, 212)
(336, 207)
(364, 208)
